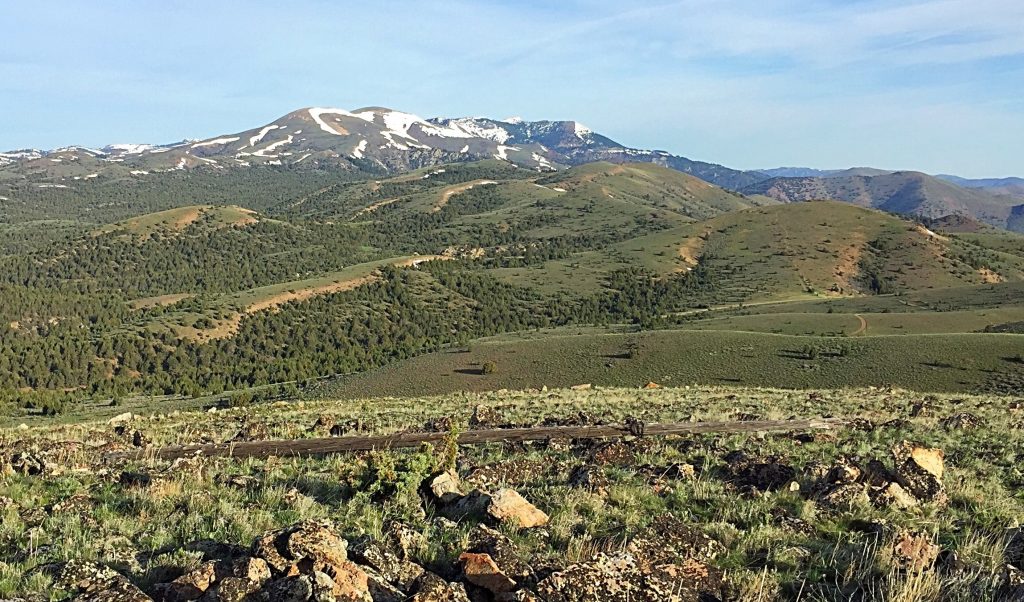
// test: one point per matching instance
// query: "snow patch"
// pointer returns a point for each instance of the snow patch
(139, 172)
(127, 149)
(303, 157)
(542, 161)
(216, 141)
(503, 152)
(358, 152)
(270, 147)
(51, 186)
(464, 149)
(580, 130)
(318, 112)
(253, 140)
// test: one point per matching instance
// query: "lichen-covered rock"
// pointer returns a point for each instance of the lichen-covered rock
(507, 506)
(431, 588)
(620, 578)
(485, 417)
(919, 470)
(96, 583)
(190, 586)
(388, 565)
(443, 488)
(914, 551)
(481, 570)
(312, 543)
(501, 550)
(757, 474)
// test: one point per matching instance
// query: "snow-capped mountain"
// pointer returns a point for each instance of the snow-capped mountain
(372, 138)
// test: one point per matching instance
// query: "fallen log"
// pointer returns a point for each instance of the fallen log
(335, 445)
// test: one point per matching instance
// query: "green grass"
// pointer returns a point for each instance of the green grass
(946, 362)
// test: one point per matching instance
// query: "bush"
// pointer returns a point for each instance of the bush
(489, 368)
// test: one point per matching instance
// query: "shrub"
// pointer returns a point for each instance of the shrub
(489, 368)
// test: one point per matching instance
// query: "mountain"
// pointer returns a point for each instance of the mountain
(372, 139)
(905, 192)
(807, 172)
(1010, 186)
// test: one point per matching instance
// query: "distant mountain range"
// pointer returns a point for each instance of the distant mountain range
(386, 141)
(372, 139)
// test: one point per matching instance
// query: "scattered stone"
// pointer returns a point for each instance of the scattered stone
(618, 578)
(914, 551)
(507, 506)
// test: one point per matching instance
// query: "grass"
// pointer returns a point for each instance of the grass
(80, 511)
(561, 358)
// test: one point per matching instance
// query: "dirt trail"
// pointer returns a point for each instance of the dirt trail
(451, 191)
(863, 325)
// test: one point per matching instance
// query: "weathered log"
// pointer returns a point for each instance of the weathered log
(334, 445)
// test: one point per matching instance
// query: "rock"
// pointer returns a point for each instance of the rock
(507, 506)
(298, 588)
(919, 470)
(670, 541)
(473, 504)
(1015, 547)
(191, 585)
(589, 477)
(135, 479)
(618, 452)
(485, 417)
(845, 496)
(758, 474)
(350, 583)
(581, 387)
(96, 583)
(651, 385)
(894, 494)
(501, 550)
(481, 570)
(121, 418)
(961, 421)
(29, 464)
(324, 423)
(309, 545)
(404, 539)
(618, 578)
(392, 569)
(431, 588)
(914, 551)
(443, 488)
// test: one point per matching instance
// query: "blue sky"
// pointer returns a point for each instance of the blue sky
(935, 85)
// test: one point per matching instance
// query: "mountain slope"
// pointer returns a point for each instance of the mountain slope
(905, 192)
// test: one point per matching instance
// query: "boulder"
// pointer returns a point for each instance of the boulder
(303, 548)
(507, 506)
(501, 550)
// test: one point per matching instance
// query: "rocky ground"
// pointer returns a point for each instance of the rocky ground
(918, 499)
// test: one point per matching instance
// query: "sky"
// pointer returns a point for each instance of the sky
(934, 85)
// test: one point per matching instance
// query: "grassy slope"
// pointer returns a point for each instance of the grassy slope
(144, 530)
